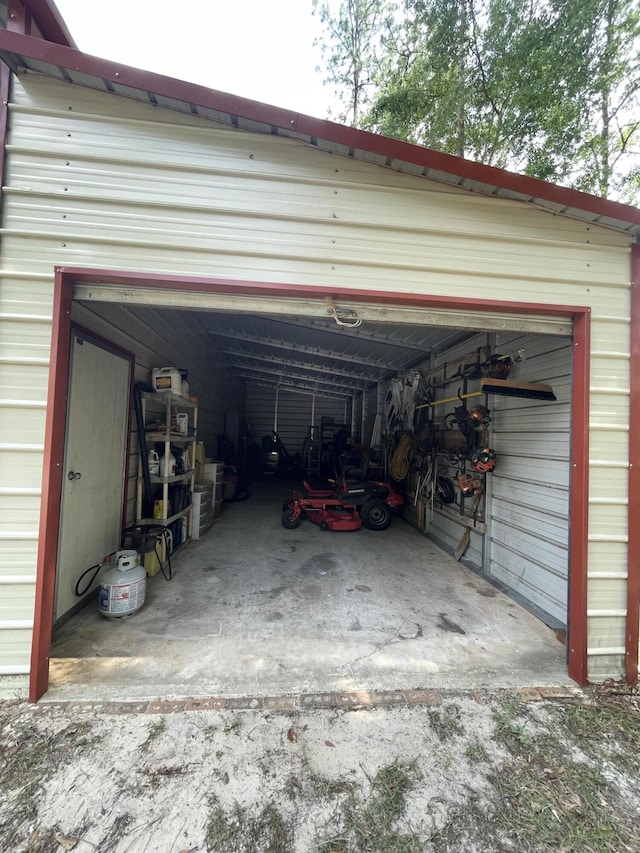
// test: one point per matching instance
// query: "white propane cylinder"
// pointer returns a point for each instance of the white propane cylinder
(167, 379)
(122, 588)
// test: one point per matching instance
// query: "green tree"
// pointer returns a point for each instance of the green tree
(546, 87)
(469, 77)
(601, 41)
(351, 50)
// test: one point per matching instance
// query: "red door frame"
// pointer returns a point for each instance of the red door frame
(65, 277)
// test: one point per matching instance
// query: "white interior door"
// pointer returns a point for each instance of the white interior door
(94, 467)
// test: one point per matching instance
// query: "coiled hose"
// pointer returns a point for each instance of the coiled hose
(399, 466)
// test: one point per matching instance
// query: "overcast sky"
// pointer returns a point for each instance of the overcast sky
(261, 49)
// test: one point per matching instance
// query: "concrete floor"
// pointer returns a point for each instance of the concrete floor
(255, 609)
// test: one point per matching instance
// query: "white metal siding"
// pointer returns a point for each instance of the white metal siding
(96, 180)
(529, 511)
(295, 414)
(443, 527)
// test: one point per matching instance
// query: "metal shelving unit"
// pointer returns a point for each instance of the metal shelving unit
(165, 406)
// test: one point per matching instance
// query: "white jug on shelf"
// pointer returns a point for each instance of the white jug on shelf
(172, 466)
(154, 463)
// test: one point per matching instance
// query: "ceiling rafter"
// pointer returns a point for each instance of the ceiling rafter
(294, 386)
(344, 332)
(305, 348)
(353, 389)
(362, 380)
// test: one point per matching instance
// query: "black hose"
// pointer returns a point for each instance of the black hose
(147, 498)
(95, 569)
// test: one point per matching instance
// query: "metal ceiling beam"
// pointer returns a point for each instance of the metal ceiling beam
(353, 389)
(363, 382)
(294, 386)
(266, 342)
(369, 337)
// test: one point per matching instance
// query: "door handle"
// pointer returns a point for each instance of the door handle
(74, 475)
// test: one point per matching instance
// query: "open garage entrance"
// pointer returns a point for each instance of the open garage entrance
(308, 609)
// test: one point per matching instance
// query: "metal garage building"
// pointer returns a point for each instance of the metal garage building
(175, 224)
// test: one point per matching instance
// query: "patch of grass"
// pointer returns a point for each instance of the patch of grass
(546, 799)
(372, 825)
(240, 832)
(117, 832)
(155, 730)
(556, 791)
(231, 726)
(513, 733)
(331, 787)
(605, 731)
(465, 827)
(446, 721)
(563, 808)
(476, 753)
(28, 756)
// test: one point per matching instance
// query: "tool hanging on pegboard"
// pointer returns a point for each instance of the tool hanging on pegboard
(400, 401)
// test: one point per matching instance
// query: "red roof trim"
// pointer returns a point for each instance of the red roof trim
(329, 132)
(49, 21)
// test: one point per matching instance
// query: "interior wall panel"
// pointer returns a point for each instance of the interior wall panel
(529, 512)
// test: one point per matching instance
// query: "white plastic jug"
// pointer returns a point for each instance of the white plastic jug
(154, 463)
(172, 466)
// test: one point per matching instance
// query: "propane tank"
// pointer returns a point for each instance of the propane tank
(122, 588)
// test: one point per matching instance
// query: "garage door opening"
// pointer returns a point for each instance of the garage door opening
(293, 358)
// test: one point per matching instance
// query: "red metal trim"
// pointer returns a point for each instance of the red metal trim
(18, 20)
(633, 564)
(51, 487)
(579, 499)
(55, 429)
(50, 22)
(56, 416)
(123, 75)
(5, 80)
(18, 17)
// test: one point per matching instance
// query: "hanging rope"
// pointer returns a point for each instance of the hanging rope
(343, 316)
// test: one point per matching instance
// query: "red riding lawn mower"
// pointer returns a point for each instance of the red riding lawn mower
(347, 506)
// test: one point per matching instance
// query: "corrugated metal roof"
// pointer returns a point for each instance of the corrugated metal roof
(27, 54)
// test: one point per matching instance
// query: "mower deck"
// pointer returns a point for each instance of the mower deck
(345, 507)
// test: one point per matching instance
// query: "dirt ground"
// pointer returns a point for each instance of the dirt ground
(491, 771)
